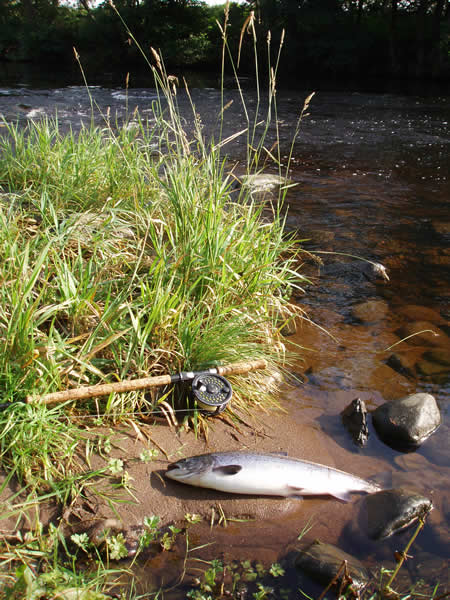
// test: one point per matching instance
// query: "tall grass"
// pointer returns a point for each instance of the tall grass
(127, 253)
(114, 271)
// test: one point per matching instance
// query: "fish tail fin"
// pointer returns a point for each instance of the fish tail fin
(380, 481)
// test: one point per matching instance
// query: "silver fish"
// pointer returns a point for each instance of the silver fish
(267, 475)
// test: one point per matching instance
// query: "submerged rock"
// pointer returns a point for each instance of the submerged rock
(424, 333)
(404, 364)
(416, 312)
(438, 355)
(354, 417)
(385, 513)
(408, 422)
(322, 562)
(433, 370)
(435, 365)
(370, 311)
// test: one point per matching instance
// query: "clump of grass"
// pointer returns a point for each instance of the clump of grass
(120, 263)
(37, 444)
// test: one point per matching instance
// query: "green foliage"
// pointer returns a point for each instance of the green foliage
(38, 445)
(228, 580)
(326, 37)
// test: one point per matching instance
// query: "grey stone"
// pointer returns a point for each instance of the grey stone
(407, 422)
(263, 182)
(387, 512)
(322, 563)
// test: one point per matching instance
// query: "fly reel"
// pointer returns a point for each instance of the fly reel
(212, 392)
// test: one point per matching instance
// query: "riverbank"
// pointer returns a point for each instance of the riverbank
(126, 487)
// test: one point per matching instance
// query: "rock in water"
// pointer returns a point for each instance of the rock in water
(424, 333)
(406, 423)
(354, 418)
(387, 512)
(322, 562)
(264, 182)
(370, 311)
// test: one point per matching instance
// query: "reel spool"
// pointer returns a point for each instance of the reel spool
(212, 392)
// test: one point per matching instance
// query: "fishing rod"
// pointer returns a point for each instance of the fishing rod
(211, 390)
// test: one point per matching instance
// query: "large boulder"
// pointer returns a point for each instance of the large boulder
(407, 422)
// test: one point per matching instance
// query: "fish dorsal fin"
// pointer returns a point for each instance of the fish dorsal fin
(228, 469)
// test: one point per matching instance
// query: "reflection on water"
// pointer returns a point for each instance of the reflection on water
(372, 178)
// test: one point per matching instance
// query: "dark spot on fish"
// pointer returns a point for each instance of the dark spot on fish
(228, 469)
(172, 466)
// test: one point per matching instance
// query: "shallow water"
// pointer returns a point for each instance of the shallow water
(372, 174)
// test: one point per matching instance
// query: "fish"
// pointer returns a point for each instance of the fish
(267, 475)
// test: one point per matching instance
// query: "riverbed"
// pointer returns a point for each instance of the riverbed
(371, 175)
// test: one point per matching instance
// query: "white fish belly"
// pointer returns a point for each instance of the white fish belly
(250, 481)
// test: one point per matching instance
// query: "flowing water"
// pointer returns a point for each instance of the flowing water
(372, 175)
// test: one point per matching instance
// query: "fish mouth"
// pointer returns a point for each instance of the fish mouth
(173, 467)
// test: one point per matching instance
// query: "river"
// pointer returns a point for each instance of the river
(372, 182)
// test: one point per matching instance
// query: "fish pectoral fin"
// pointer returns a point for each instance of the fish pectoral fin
(344, 496)
(294, 492)
(228, 469)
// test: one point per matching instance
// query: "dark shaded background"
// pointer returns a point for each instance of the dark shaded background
(337, 39)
